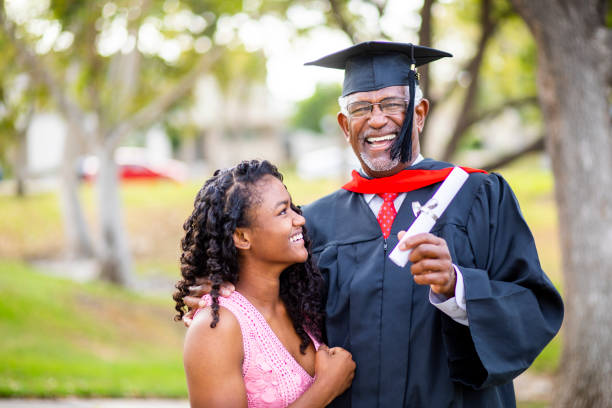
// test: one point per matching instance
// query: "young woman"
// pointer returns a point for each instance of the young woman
(259, 347)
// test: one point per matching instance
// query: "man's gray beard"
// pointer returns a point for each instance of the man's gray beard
(379, 164)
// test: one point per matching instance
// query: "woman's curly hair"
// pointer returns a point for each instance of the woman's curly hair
(221, 206)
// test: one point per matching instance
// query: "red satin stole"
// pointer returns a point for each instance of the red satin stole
(405, 180)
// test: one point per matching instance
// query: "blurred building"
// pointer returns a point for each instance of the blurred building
(243, 122)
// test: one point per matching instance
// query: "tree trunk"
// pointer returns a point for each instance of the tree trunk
(574, 86)
(425, 38)
(114, 257)
(21, 163)
(488, 26)
(21, 157)
(78, 237)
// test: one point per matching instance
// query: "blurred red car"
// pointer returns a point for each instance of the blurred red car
(133, 164)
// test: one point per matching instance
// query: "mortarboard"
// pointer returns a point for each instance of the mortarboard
(373, 65)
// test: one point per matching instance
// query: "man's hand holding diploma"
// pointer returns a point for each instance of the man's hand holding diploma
(431, 262)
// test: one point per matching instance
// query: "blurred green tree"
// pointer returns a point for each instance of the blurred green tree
(16, 110)
(495, 77)
(311, 111)
(113, 68)
(19, 98)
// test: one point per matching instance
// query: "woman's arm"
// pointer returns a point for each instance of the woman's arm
(213, 362)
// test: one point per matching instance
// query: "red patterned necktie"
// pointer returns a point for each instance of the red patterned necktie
(387, 213)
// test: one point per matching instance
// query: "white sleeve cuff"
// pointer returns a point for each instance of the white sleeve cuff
(455, 306)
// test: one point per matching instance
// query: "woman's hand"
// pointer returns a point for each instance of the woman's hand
(334, 371)
(194, 302)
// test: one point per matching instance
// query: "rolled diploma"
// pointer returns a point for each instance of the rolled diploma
(425, 221)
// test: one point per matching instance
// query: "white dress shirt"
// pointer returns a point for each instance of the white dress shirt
(454, 306)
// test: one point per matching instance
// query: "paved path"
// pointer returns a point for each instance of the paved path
(93, 403)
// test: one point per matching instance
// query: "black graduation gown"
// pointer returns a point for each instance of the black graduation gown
(408, 353)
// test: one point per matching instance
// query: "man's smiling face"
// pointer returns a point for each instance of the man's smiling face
(371, 136)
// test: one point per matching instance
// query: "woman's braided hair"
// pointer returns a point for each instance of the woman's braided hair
(221, 206)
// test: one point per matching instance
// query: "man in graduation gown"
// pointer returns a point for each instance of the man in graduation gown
(473, 308)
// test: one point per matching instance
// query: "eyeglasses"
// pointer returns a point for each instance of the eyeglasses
(389, 106)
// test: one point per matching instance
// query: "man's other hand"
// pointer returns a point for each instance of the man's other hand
(194, 300)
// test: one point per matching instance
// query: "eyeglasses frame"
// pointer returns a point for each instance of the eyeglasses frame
(371, 107)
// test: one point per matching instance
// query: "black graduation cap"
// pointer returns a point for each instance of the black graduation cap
(373, 65)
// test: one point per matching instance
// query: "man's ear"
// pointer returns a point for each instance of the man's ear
(241, 238)
(420, 113)
(344, 125)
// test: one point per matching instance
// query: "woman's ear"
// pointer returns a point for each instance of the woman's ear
(241, 238)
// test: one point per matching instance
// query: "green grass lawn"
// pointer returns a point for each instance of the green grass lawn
(532, 405)
(63, 338)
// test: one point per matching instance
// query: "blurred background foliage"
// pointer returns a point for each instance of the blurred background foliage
(311, 111)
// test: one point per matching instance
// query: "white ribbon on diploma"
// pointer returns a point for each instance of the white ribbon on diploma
(428, 214)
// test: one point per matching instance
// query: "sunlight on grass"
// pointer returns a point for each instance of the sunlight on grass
(548, 360)
(94, 339)
(532, 405)
(30, 226)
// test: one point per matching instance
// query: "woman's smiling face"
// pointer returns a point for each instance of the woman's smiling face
(275, 229)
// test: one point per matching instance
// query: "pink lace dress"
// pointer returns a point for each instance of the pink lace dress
(272, 377)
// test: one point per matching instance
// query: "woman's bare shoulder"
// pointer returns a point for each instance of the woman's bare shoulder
(222, 341)
(213, 361)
